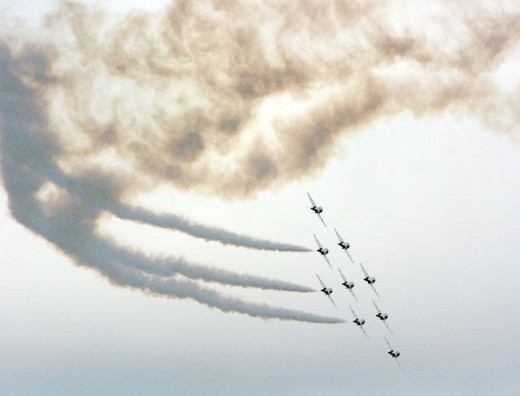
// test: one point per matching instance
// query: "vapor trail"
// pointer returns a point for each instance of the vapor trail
(98, 190)
(187, 289)
(199, 230)
(165, 266)
(27, 153)
(87, 187)
(168, 267)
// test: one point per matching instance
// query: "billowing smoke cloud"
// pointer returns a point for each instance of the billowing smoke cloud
(232, 97)
(227, 98)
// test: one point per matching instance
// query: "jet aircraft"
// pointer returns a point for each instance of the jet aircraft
(347, 284)
(359, 321)
(382, 316)
(326, 290)
(316, 209)
(322, 250)
(369, 279)
(344, 245)
(394, 353)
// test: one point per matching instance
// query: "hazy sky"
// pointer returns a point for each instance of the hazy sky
(400, 120)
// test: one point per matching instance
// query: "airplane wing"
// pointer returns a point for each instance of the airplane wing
(321, 218)
(318, 242)
(386, 324)
(345, 280)
(374, 289)
(353, 313)
(375, 305)
(339, 236)
(391, 349)
(364, 270)
(399, 364)
(327, 260)
(348, 254)
(364, 332)
(331, 300)
(343, 276)
(322, 284)
(312, 202)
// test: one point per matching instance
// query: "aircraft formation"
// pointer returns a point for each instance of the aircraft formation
(349, 284)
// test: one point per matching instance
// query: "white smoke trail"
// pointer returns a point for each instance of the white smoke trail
(208, 233)
(188, 289)
(168, 267)
(100, 191)
(27, 152)
(70, 227)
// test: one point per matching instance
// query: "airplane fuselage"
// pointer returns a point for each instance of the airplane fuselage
(348, 285)
(382, 316)
(317, 209)
(327, 291)
(370, 280)
(323, 251)
(344, 245)
(359, 322)
(394, 354)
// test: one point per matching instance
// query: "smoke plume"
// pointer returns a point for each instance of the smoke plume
(69, 222)
(226, 98)
(231, 98)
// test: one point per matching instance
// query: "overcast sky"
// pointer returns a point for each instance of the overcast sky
(402, 125)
